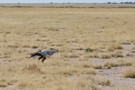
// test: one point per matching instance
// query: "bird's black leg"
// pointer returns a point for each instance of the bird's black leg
(40, 57)
(43, 59)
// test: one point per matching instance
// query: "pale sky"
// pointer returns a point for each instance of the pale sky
(63, 1)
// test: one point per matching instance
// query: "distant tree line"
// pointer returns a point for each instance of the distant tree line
(121, 3)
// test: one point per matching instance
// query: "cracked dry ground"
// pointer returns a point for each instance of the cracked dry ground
(114, 74)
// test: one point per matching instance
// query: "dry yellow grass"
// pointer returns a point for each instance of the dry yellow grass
(118, 63)
(103, 81)
(129, 73)
(23, 30)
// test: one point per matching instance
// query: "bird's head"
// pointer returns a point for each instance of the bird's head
(53, 49)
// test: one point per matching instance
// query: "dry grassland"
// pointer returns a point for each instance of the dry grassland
(78, 34)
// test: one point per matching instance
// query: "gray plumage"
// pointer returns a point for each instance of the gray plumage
(43, 54)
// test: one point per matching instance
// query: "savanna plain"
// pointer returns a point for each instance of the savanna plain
(96, 48)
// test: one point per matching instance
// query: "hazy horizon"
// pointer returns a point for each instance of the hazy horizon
(63, 1)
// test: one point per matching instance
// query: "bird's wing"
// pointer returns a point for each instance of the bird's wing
(36, 52)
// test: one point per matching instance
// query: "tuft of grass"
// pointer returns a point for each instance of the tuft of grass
(3, 84)
(129, 73)
(71, 55)
(105, 56)
(117, 63)
(98, 67)
(11, 82)
(89, 71)
(127, 42)
(53, 29)
(76, 71)
(114, 47)
(13, 46)
(103, 81)
(26, 46)
(117, 54)
(93, 55)
(34, 46)
(85, 64)
(68, 72)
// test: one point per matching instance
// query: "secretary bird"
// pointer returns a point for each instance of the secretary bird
(43, 54)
